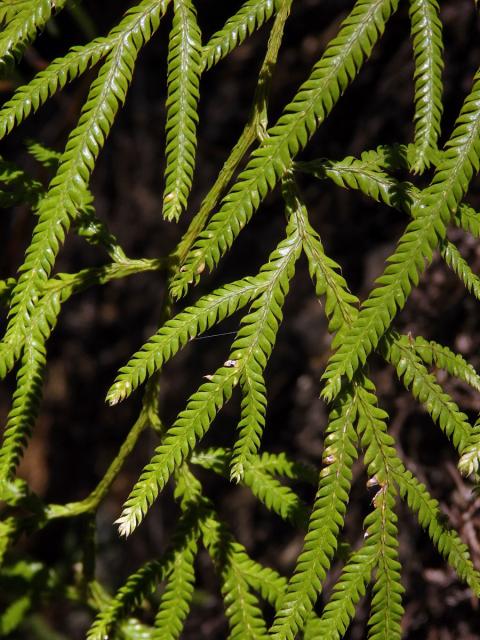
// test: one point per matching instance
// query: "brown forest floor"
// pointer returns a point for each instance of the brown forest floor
(77, 435)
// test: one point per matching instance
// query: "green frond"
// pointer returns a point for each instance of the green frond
(386, 608)
(28, 98)
(251, 348)
(190, 426)
(461, 268)
(130, 596)
(8, 531)
(177, 597)
(468, 219)
(266, 581)
(47, 157)
(132, 629)
(253, 345)
(326, 521)
(17, 187)
(22, 27)
(60, 204)
(252, 421)
(341, 305)
(427, 40)
(434, 354)
(275, 464)
(347, 591)
(365, 175)
(313, 102)
(381, 460)
(241, 605)
(278, 464)
(446, 540)
(184, 68)
(414, 251)
(425, 388)
(177, 332)
(25, 405)
(275, 496)
(250, 17)
(208, 311)
(469, 463)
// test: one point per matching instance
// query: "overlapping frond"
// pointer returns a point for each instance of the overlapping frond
(22, 26)
(195, 320)
(381, 460)
(325, 524)
(130, 596)
(251, 348)
(430, 517)
(461, 268)
(442, 357)
(425, 388)
(25, 405)
(60, 204)
(349, 588)
(177, 597)
(254, 343)
(469, 463)
(250, 17)
(313, 102)
(415, 248)
(16, 186)
(184, 67)
(426, 30)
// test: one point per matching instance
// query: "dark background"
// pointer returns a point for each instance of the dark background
(77, 435)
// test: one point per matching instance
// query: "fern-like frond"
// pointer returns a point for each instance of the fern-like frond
(386, 608)
(442, 357)
(468, 219)
(430, 517)
(17, 187)
(186, 325)
(254, 343)
(275, 496)
(469, 464)
(177, 597)
(60, 204)
(22, 27)
(381, 460)
(341, 305)
(415, 248)
(428, 53)
(184, 67)
(47, 157)
(251, 348)
(313, 102)
(25, 405)
(347, 591)
(28, 98)
(252, 420)
(363, 175)
(325, 524)
(424, 386)
(461, 268)
(130, 596)
(250, 17)
(242, 607)
(190, 426)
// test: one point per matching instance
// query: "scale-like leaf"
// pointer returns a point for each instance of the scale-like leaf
(184, 67)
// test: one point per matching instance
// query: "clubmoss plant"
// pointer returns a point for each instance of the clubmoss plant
(357, 425)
